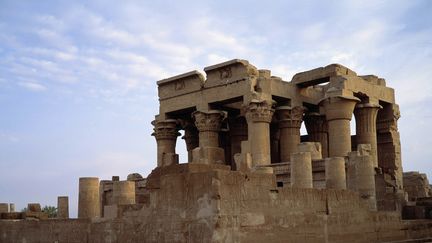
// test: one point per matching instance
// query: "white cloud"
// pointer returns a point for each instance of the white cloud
(36, 87)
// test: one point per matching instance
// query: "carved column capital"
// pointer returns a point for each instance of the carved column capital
(259, 111)
(166, 129)
(209, 120)
(290, 116)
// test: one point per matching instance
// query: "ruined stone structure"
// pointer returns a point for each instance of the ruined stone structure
(251, 176)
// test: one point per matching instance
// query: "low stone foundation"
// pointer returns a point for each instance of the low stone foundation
(211, 203)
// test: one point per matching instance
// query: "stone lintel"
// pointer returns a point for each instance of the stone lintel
(229, 72)
(321, 75)
(374, 79)
(180, 84)
(189, 75)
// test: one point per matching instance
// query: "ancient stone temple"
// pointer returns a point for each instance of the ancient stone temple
(250, 174)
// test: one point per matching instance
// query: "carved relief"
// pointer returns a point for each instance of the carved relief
(179, 85)
(225, 73)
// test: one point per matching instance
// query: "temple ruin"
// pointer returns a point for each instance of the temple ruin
(250, 175)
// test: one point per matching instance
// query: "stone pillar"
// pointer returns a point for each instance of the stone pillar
(301, 170)
(365, 178)
(313, 148)
(259, 115)
(290, 119)
(274, 142)
(335, 173)
(166, 135)
(366, 133)
(238, 132)
(12, 207)
(209, 124)
(4, 207)
(124, 192)
(338, 111)
(63, 207)
(316, 126)
(190, 137)
(88, 197)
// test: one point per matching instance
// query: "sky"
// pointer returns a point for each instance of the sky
(78, 78)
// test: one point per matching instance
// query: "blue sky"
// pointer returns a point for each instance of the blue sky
(78, 78)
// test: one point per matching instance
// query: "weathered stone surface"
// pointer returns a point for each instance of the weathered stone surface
(4, 207)
(313, 148)
(88, 198)
(416, 185)
(63, 207)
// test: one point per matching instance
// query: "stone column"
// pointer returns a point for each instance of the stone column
(301, 170)
(316, 126)
(338, 111)
(238, 132)
(124, 192)
(63, 207)
(366, 133)
(190, 137)
(166, 135)
(88, 197)
(12, 207)
(209, 124)
(259, 115)
(4, 207)
(274, 142)
(290, 119)
(365, 178)
(335, 173)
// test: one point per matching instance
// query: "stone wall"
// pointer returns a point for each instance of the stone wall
(416, 185)
(208, 203)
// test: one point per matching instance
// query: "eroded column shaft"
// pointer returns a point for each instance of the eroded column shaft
(301, 170)
(335, 173)
(88, 197)
(365, 179)
(63, 207)
(124, 192)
